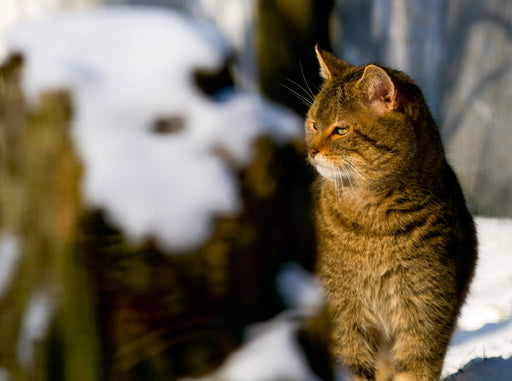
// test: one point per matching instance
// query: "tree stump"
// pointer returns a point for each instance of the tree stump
(115, 310)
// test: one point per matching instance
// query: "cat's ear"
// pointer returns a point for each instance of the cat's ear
(330, 66)
(379, 88)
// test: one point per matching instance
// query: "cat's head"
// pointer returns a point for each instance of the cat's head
(363, 124)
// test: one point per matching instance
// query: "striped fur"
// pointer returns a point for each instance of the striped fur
(396, 243)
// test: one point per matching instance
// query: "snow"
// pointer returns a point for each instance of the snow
(485, 325)
(480, 349)
(271, 351)
(35, 324)
(494, 273)
(128, 67)
(299, 290)
(272, 354)
(13, 11)
(237, 20)
(489, 369)
(9, 257)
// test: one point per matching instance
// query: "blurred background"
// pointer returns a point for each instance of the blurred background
(459, 52)
(111, 310)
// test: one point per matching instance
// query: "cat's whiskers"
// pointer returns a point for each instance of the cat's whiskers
(338, 185)
(358, 175)
(310, 92)
(306, 98)
(355, 165)
(348, 175)
(354, 174)
(341, 179)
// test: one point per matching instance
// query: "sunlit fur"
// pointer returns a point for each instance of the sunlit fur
(396, 244)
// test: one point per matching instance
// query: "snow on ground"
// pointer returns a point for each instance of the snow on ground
(271, 354)
(271, 351)
(128, 67)
(485, 325)
(488, 369)
(480, 350)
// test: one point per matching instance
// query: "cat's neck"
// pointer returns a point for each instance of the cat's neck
(362, 205)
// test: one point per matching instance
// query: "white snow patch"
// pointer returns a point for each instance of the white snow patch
(489, 369)
(480, 349)
(271, 353)
(237, 20)
(299, 290)
(485, 324)
(34, 327)
(127, 67)
(494, 273)
(13, 11)
(9, 258)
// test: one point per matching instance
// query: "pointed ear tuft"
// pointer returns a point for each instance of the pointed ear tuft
(330, 66)
(322, 58)
(379, 88)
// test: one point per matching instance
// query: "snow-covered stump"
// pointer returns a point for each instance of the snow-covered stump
(152, 209)
(189, 310)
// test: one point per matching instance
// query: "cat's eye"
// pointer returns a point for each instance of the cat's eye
(314, 126)
(342, 130)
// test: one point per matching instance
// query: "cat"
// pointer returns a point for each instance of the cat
(396, 243)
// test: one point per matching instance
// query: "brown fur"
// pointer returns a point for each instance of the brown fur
(397, 246)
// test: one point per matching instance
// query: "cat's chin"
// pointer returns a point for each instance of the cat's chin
(332, 173)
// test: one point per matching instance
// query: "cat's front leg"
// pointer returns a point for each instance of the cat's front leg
(355, 345)
(418, 355)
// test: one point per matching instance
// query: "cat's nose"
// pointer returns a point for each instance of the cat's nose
(312, 152)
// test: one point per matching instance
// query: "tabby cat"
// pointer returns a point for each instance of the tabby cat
(396, 243)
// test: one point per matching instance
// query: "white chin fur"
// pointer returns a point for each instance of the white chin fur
(327, 172)
(331, 173)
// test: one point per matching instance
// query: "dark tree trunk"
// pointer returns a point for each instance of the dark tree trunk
(287, 32)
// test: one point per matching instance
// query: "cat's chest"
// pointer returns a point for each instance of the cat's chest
(365, 246)
(370, 268)
(361, 248)
(377, 236)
